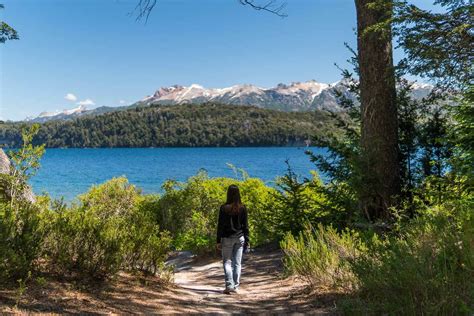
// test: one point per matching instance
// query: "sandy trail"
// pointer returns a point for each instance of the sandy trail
(197, 290)
(263, 290)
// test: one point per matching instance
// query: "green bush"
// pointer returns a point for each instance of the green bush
(106, 232)
(298, 203)
(425, 266)
(189, 210)
(429, 269)
(21, 231)
(21, 237)
(322, 256)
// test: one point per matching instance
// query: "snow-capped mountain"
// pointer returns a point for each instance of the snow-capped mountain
(57, 115)
(297, 96)
(71, 114)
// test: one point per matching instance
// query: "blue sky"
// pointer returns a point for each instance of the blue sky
(93, 52)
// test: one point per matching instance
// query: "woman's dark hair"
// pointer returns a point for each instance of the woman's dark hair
(233, 203)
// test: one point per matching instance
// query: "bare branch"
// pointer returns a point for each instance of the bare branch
(144, 8)
(271, 6)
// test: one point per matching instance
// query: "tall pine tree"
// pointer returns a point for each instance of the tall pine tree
(379, 123)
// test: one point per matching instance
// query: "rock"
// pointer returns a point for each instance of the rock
(5, 166)
(4, 162)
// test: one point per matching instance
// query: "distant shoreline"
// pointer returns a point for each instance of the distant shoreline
(177, 147)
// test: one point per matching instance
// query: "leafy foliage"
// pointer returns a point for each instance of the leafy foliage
(462, 134)
(21, 238)
(298, 203)
(6, 31)
(21, 231)
(189, 210)
(427, 269)
(106, 232)
(425, 150)
(438, 45)
(25, 162)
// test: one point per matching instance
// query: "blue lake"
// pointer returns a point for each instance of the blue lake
(69, 172)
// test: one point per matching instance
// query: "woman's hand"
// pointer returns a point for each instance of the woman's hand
(219, 246)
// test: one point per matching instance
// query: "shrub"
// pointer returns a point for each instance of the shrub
(429, 269)
(189, 210)
(21, 239)
(298, 203)
(106, 232)
(321, 256)
(21, 233)
(261, 205)
(424, 266)
(147, 247)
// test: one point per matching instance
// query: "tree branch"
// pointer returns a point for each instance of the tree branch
(6, 31)
(144, 8)
(272, 6)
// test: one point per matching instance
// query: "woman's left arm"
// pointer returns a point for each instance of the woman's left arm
(245, 225)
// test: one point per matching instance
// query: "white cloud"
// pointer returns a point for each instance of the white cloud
(122, 102)
(86, 102)
(70, 97)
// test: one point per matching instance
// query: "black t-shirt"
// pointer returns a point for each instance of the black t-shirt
(232, 225)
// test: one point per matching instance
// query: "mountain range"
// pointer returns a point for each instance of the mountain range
(294, 97)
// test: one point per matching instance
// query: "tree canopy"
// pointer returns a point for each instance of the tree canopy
(6, 31)
(189, 125)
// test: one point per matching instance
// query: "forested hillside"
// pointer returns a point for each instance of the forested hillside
(180, 126)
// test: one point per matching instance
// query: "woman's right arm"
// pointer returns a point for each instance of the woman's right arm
(219, 227)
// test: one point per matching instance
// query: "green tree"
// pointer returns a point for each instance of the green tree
(463, 132)
(379, 119)
(298, 203)
(6, 31)
(438, 45)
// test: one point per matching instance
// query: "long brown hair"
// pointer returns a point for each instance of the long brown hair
(233, 203)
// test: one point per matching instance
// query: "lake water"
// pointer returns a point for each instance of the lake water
(69, 172)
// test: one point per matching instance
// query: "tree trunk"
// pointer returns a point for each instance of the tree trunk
(379, 123)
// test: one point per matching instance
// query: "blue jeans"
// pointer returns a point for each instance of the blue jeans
(232, 249)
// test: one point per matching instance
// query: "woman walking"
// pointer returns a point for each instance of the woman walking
(232, 237)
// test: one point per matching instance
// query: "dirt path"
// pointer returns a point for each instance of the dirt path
(263, 290)
(198, 290)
